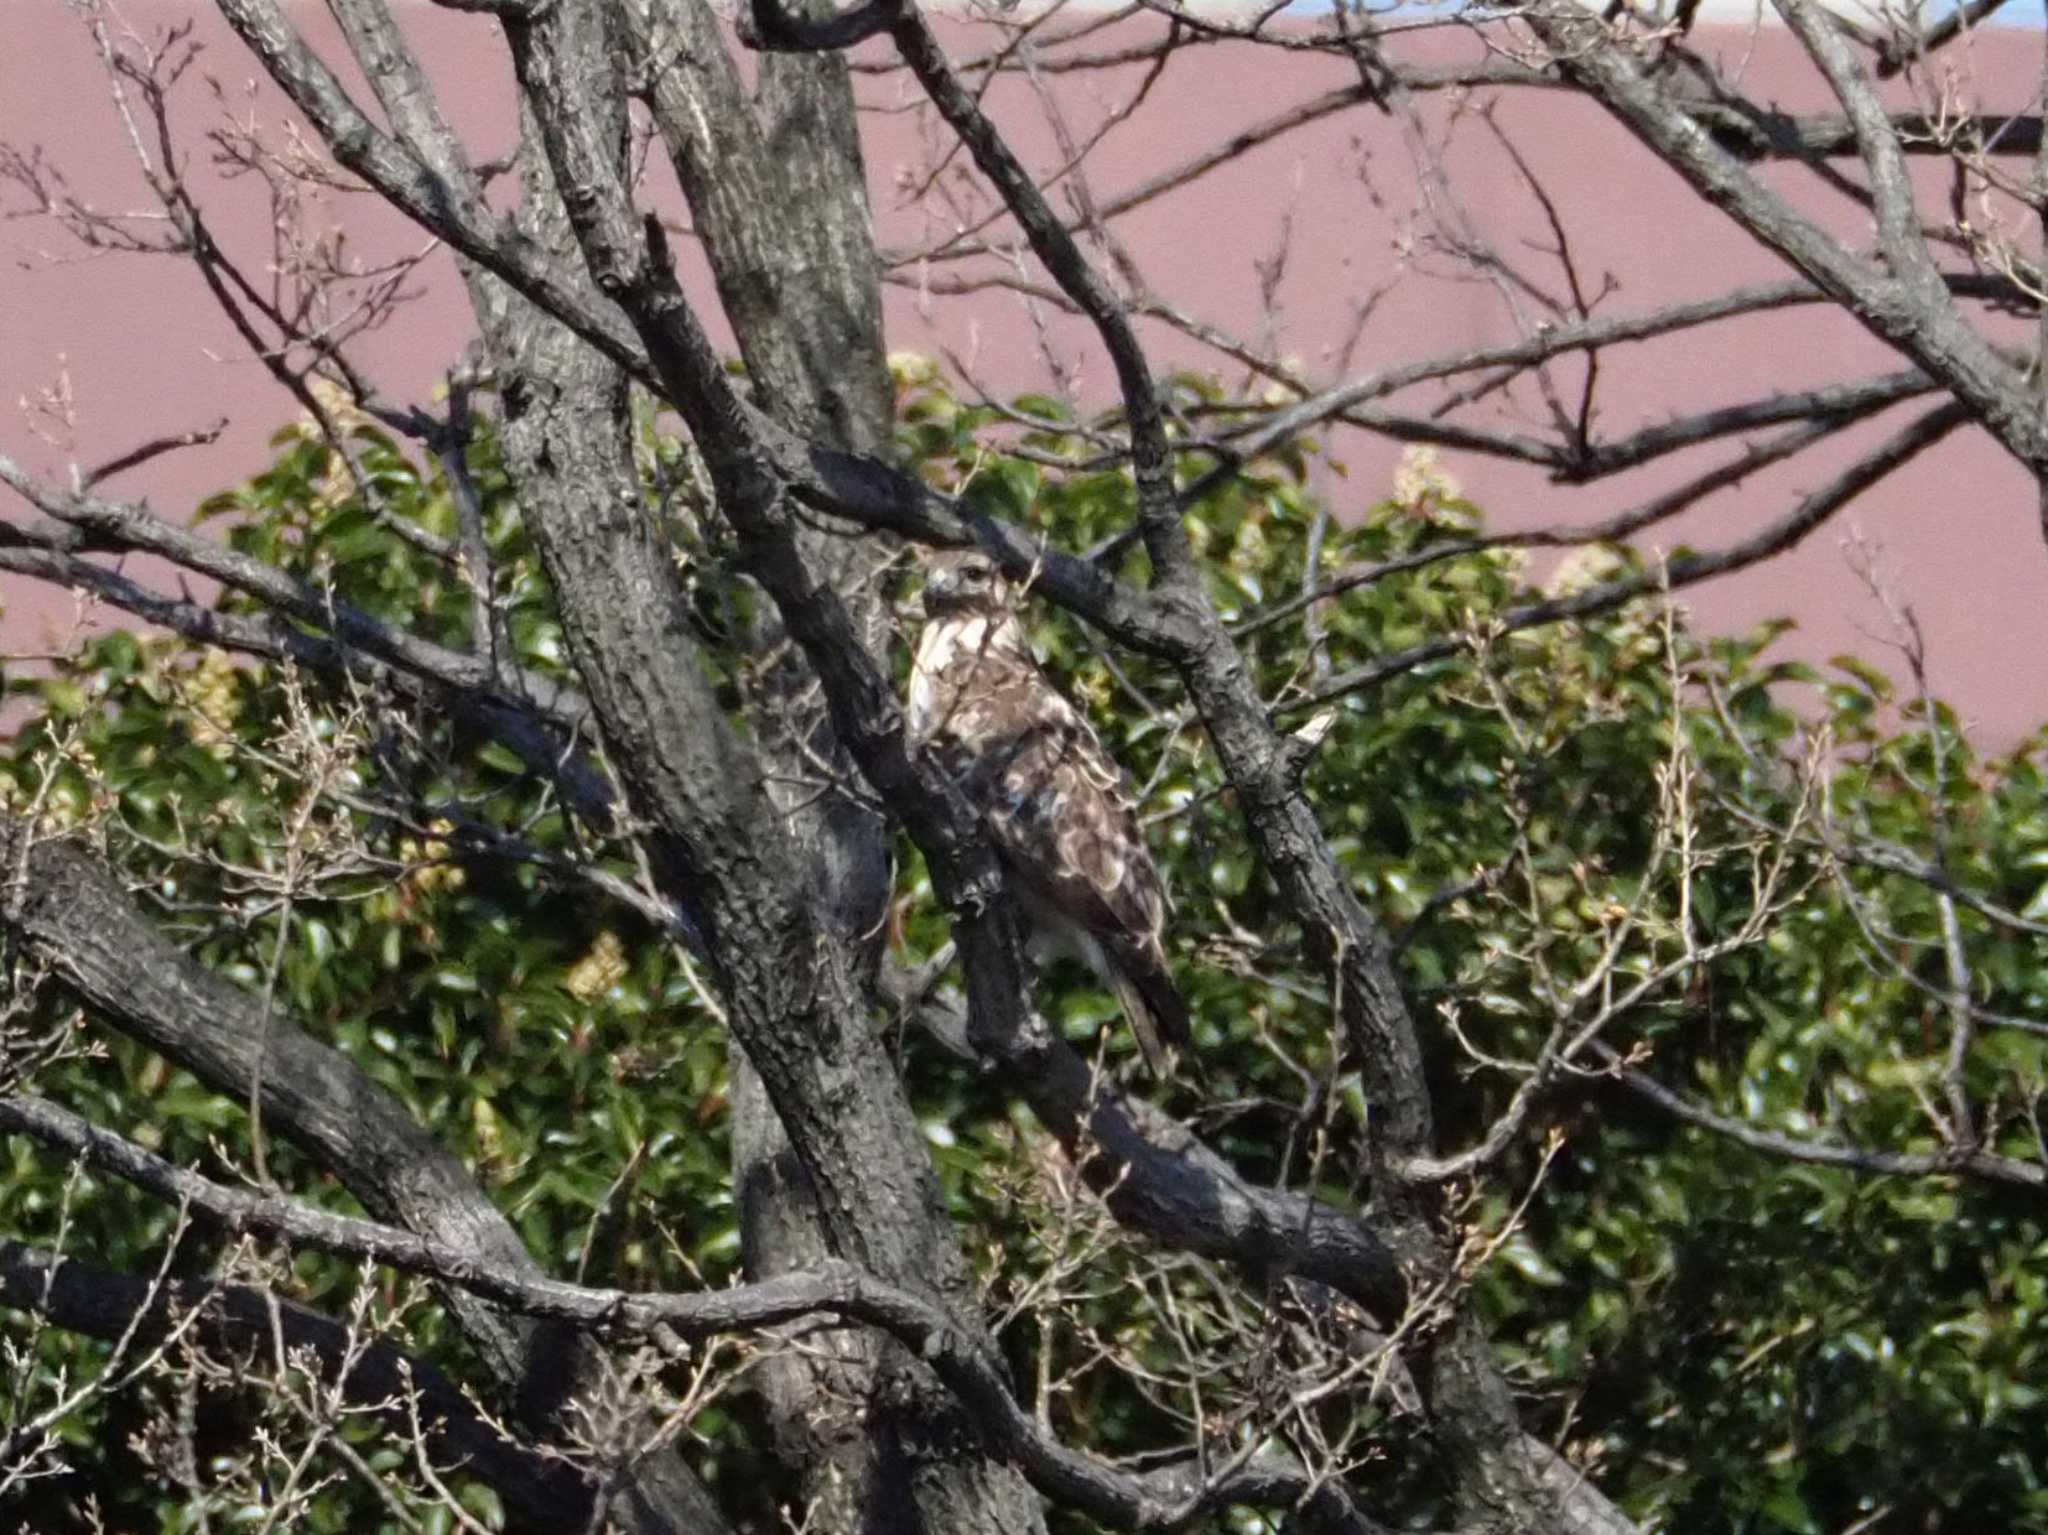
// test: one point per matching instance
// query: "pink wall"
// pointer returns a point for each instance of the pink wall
(146, 354)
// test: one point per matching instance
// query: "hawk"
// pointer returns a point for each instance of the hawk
(1054, 802)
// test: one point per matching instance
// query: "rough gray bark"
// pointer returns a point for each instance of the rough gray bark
(778, 901)
(778, 192)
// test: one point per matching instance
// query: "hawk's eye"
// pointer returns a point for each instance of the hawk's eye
(976, 574)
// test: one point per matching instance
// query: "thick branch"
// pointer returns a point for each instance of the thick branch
(1835, 405)
(97, 524)
(1908, 308)
(1554, 341)
(537, 743)
(1687, 570)
(1158, 1177)
(1622, 525)
(1877, 140)
(794, 996)
(839, 1290)
(68, 911)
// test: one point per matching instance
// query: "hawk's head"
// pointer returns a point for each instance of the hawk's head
(965, 581)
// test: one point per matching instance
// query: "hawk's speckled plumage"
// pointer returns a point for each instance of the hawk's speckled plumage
(1054, 801)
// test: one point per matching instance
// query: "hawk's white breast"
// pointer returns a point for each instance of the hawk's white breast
(942, 645)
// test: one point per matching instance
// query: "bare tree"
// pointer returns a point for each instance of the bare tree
(761, 772)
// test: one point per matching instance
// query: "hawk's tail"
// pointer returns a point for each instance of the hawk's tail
(1157, 1015)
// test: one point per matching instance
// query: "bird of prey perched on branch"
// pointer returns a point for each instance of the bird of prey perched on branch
(1054, 802)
